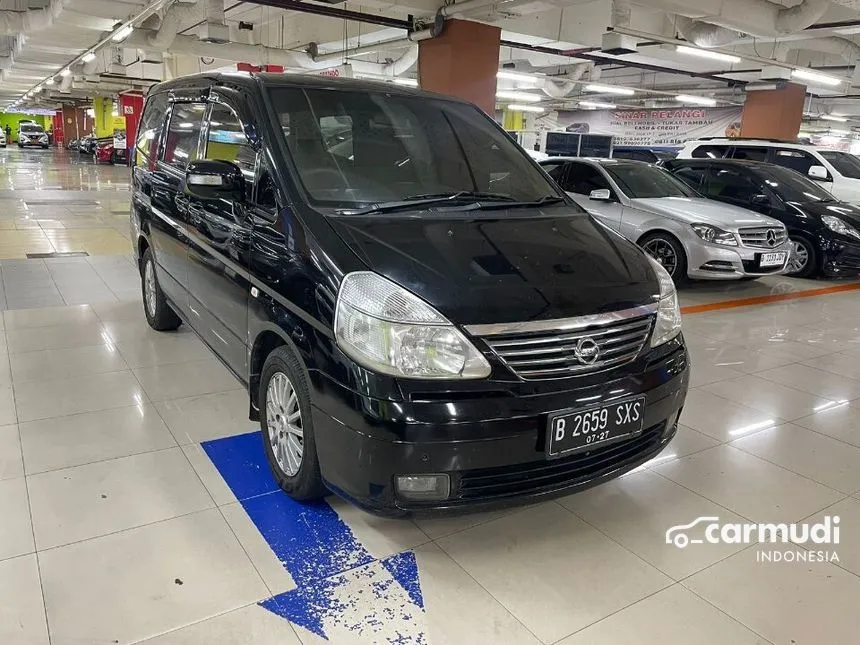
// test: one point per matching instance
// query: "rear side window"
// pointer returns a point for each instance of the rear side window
(183, 134)
(582, 179)
(750, 153)
(710, 152)
(554, 170)
(693, 177)
(729, 184)
(795, 159)
(150, 127)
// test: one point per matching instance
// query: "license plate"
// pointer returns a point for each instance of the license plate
(772, 259)
(592, 427)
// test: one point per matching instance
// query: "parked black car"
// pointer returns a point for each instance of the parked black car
(422, 318)
(825, 233)
(87, 144)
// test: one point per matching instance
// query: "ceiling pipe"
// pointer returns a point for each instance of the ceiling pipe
(16, 23)
(175, 15)
(562, 90)
(704, 34)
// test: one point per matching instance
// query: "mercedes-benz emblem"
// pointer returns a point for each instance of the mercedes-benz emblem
(587, 351)
(770, 236)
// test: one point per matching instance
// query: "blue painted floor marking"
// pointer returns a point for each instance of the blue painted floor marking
(321, 553)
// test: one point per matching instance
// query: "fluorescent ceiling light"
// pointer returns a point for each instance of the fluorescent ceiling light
(411, 82)
(609, 89)
(830, 117)
(517, 76)
(518, 96)
(89, 56)
(707, 53)
(839, 132)
(122, 34)
(525, 108)
(695, 100)
(815, 77)
(66, 72)
(597, 104)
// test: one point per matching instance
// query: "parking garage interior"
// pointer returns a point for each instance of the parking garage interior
(225, 456)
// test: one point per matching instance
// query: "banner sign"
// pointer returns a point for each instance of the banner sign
(654, 127)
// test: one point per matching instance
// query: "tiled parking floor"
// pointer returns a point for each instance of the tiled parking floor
(115, 527)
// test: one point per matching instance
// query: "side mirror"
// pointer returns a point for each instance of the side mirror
(760, 200)
(601, 195)
(818, 172)
(208, 179)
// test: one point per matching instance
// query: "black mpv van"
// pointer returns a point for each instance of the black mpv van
(422, 318)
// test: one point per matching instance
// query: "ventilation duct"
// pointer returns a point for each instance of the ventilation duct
(177, 14)
(561, 90)
(16, 23)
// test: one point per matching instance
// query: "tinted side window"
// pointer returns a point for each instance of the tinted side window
(795, 159)
(554, 170)
(183, 134)
(750, 153)
(149, 134)
(636, 155)
(710, 152)
(226, 141)
(582, 179)
(731, 185)
(691, 176)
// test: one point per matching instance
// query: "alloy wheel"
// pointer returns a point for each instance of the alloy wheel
(663, 252)
(150, 288)
(284, 423)
(799, 257)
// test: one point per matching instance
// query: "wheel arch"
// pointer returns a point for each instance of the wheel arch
(265, 342)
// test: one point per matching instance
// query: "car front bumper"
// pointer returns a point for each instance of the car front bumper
(491, 449)
(716, 262)
(840, 258)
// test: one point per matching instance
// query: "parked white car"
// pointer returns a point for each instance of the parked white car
(837, 171)
(2, 138)
(675, 225)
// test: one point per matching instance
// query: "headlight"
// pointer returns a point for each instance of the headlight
(838, 226)
(668, 323)
(390, 330)
(714, 235)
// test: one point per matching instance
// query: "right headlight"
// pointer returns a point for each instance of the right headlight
(839, 226)
(668, 324)
(388, 329)
(714, 235)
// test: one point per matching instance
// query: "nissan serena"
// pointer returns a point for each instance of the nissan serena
(422, 318)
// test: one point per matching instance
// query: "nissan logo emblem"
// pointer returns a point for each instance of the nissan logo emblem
(587, 351)
(771, 238)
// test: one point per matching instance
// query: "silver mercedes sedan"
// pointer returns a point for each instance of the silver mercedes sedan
(692, 237)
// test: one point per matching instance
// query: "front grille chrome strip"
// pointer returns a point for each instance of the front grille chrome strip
(562, 324)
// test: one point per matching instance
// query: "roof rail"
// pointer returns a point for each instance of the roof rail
(745, 139)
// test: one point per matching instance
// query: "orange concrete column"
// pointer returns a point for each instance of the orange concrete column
(774, 114)
(462, 62)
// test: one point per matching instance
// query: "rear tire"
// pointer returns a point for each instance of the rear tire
(158, 313)
(287, 428)
(804, 258)
(667, 250)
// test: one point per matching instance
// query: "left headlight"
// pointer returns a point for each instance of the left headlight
(714, 234)
(668, 324)
(385, 328)
(839, 226)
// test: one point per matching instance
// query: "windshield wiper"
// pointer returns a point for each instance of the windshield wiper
(476, 201)
(461, 194)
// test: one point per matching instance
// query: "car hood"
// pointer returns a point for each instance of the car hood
(843, 210)
(504, 265)
(695, 210)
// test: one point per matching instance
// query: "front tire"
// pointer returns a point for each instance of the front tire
(159, 315)
(669, 253)
(286, 426)
(804, 258)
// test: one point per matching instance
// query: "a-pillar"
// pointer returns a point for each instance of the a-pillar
(774, 114)
(462, 62)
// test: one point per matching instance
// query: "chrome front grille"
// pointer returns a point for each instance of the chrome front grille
(763, 237)
(562, 348)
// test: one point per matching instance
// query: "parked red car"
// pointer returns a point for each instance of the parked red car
(105, 153)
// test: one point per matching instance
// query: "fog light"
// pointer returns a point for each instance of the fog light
(424, 487)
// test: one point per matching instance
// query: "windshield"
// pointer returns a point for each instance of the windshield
(643, 181)
(358, 148)
(791, 186)
(846, 164)
(31, 128)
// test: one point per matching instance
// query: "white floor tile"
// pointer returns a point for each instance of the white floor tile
(638, 509)
(16, 532)
(845, 364)
(776, 400)
(784, 602)
(840, 421)
(11, 463)
(208, 416)
(251, 625)
(163, 350)
(848, 549)
(380, 536)
(208, 474)
(146, 581)
(81, 315)
(751, 487)
(65, 363)
(814, 381)
(560, 561)
(37, 339)
(813, 455)
(181, 380)
(88, 501)
(8, 413)
(62, 442)
(61, 397)
(22, 614)
(721, 419)
(674, 616)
